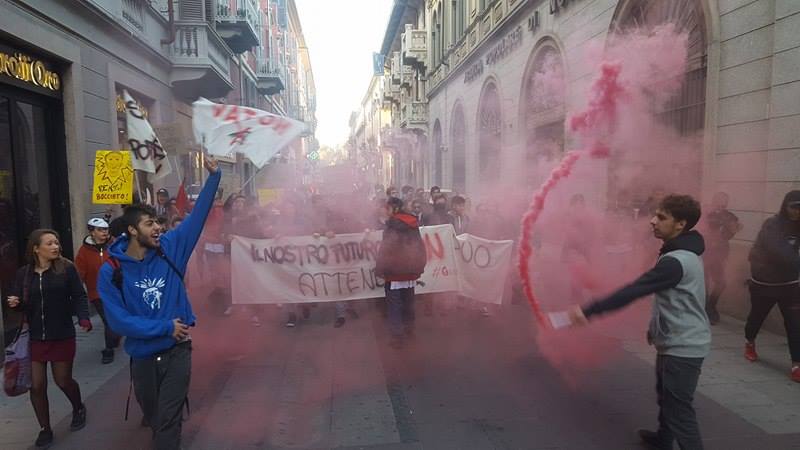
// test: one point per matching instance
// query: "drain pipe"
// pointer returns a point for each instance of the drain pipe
(171, 13)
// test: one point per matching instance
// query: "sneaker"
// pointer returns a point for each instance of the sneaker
(228, 311)
(485, 311)
(649, 438)
(292, 320)
(750, 351)
(255, 321)
(306, 312)
(45, 438)
(339, 322)
(108, 356)
(796, 374)
(78, 419)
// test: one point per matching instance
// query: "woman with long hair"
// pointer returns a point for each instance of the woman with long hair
(49, 291)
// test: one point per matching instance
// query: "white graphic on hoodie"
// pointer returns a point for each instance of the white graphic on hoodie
(152, 292)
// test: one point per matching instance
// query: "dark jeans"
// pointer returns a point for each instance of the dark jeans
(400, 304)
(112, 339)
(715, 282)
(676, 381)
(762, 299)
(161, 383)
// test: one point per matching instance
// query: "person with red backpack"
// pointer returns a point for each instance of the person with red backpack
(145, 300)
(91, 256)
(400, 262)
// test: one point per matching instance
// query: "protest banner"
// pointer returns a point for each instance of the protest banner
(228, 129)
(148, 153)
(483, 266)
(113, 178)
(307, 269)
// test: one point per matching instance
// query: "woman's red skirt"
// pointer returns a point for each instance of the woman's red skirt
(53, 351)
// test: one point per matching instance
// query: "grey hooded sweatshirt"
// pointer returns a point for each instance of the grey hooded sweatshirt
(679, 325)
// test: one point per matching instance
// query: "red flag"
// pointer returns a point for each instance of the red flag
(182, 200)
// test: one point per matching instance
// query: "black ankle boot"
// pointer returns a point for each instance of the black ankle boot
(45, 438)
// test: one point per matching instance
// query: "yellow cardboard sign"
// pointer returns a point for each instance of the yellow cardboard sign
(113, 178)
(267, 196)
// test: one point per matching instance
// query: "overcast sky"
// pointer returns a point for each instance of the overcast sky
(341, 36)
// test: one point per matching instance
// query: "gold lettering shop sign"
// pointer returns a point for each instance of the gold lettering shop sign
(29, 70)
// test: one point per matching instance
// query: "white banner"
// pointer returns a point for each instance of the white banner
(227, 129)
(304, 269)
(148, 154)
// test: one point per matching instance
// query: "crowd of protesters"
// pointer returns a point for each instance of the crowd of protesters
(688, 280)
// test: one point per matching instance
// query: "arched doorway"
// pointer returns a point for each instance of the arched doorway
(684, 113)
(437, 153)
(543, 110)
(489, 132)
(458, 142)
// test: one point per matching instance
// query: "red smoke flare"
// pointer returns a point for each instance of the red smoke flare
(597, 120)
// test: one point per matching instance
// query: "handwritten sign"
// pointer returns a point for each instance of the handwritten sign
(113, 178)
(305, 269)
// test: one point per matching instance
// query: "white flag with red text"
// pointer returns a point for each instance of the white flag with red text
(148, 154)
(228, 129)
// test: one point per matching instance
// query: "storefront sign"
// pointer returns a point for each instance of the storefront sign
(508, 44)
(30, 70)
(474, 71)
(558, 5)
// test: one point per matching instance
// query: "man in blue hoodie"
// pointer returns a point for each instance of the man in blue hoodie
(145, 301)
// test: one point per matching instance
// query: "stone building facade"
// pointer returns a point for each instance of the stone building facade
(741, 95)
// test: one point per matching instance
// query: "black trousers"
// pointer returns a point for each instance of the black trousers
(161, 383)
(400, 304)
(762, 299)
(112, 339)
(676, 381)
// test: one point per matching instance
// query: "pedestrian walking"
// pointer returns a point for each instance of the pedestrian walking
(774, 269)
(458, 215)
(400, 262)
(145, 300)
(91, 256)
(49, 291)
(679, 328)
(721, 226)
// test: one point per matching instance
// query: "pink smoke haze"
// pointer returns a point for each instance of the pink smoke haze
(637, 74)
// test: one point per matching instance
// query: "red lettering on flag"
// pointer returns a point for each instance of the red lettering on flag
(432, 251)
(233, 114)
(217, 110)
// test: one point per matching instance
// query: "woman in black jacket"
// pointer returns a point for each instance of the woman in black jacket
(774, 269)
(50, 292)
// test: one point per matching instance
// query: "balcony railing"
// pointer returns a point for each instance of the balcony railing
(238, 22)
(391, 91)
(414, 46)
(414, 114)
(201, 61)
(407, 76)
(271, 79)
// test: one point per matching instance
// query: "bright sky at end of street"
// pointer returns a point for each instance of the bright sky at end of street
(341, 36)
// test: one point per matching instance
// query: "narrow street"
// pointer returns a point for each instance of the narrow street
(464, 382)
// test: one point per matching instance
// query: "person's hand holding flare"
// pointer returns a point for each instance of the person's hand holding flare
(577, 317)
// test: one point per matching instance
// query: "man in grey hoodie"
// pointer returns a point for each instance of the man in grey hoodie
(679, 328)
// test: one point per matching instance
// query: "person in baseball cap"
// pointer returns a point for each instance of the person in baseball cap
(91, 256)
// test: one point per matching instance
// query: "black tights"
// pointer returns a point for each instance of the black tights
(62, 374)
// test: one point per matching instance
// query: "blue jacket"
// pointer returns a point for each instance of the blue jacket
(154, 293)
